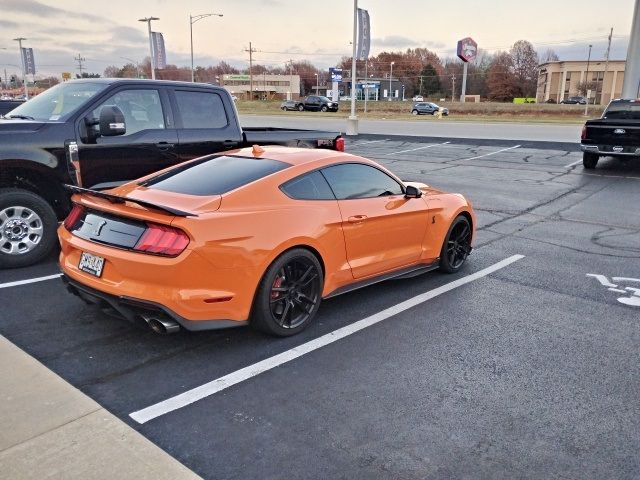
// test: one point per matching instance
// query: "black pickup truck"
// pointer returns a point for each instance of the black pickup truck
(99, 133)
(615, 134)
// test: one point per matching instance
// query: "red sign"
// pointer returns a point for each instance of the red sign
(467, 49)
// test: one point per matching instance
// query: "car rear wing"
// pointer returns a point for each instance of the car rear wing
(119, 199)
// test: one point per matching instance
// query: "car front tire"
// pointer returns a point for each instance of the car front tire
(301, 108)
(27, 228)
(289, 294)
(457, 245)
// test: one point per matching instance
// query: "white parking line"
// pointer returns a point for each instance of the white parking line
(574, 163)
(492, 153)
(369, 141)
(31, 280)
(215, 386)
(419, 148)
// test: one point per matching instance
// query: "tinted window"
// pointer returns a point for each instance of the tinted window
(627, 111)
(141, 108)
(354, 180)
(214, 176)
(201, 109)
(311, 186)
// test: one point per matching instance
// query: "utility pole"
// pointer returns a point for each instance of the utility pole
(631, 83)
(79, 59)
(24, 67)
(606, 65)
(250, 50)
(453, 87)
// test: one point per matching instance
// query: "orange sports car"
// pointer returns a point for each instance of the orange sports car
(256, 236)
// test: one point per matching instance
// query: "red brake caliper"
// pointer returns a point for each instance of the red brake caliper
(276, 284)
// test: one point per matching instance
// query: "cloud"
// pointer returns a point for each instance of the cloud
(39, 9)
(8, 24)
(398, 41)
(123, 34)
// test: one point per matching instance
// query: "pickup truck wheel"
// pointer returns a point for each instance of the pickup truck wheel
(301, 108)
(27, 228)
(589, 160)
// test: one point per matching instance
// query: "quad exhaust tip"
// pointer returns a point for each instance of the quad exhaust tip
(160, 324)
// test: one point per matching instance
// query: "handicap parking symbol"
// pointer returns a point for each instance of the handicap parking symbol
(632, 293)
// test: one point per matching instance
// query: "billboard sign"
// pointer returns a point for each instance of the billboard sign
(467, 49)
(336, 74)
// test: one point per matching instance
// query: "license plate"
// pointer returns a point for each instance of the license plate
(91, 264)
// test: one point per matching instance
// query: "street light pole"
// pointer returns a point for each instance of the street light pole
(586, 83)
(193, 19)
(352, 121)
(390, 77)
(149, 20)
(631, 84)
(24, 67)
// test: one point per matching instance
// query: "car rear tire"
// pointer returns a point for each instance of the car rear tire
(289, 294)
(301, 108)
(589, 160)
(414, 112)
(457, 245)
(27, 228)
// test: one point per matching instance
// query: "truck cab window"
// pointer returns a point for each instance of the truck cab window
(141, 108)
(201, 109)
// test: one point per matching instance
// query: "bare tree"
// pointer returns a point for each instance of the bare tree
(549, 56)
(501, 80)
(525, 67)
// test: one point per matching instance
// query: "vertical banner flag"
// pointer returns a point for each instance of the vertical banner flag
(159, 53)
(364, 35)
(29, 62)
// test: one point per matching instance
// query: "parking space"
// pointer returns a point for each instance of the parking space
(525, 370)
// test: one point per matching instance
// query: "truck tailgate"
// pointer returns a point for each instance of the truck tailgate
(609, 133)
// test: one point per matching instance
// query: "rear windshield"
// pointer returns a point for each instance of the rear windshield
(625, 111)
(214, 176)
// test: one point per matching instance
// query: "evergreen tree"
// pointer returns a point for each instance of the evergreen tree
(430, 82)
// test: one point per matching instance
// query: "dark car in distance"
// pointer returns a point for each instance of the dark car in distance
(574, 101)
(318, 103)
(289, 105)
(423, 108)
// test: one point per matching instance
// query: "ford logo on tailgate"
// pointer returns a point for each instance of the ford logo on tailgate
(620, 131)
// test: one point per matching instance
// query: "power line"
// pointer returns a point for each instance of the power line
(79, 59)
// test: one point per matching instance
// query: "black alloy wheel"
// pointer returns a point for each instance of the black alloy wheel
(457, 245)
(289, 294)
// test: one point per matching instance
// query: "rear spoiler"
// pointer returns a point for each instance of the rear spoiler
(118, 199)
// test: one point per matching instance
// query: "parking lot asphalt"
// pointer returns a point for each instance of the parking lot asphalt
(530, 371)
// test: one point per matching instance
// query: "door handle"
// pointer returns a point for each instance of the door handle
(229, 143)
(357, 218)
(164, 145)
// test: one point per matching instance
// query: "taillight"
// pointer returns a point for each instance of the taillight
(73, 216)
(340, 144)
(584, 133)
(162, 240)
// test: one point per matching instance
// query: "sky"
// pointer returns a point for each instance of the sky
(108, 33)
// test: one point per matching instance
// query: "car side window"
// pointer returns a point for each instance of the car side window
(356, 180)
(142, 109)
(201, 109)
(310, 186)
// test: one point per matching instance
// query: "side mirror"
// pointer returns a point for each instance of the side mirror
(412, 192)
(112, 121)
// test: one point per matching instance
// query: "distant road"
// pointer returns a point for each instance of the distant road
(539, 132)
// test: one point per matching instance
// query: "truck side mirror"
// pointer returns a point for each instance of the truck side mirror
(112, 121)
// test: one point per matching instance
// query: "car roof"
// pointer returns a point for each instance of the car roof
(294, 156)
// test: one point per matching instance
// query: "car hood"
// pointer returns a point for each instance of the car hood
(9, 125)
